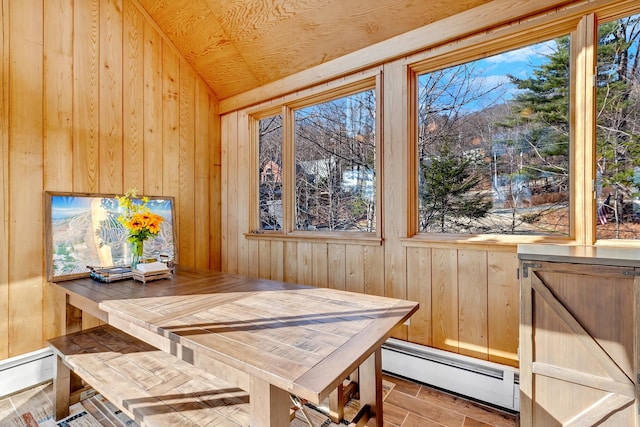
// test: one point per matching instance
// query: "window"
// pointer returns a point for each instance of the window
(270, 173)
(317, 163)
(493, 144)
(335, 155)
(618, 130)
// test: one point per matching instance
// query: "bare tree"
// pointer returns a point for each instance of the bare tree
(270, 159)
(335, 164)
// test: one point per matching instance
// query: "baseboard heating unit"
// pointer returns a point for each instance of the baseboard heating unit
(24, 371)
(488, 382)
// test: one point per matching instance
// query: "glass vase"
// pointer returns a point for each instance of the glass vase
(137, 248)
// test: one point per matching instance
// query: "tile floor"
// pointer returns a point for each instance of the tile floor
(414, 405)
(408, 405)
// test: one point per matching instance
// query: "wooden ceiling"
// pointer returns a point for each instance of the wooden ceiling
(239, 45)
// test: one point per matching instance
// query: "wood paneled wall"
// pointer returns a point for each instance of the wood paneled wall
(94, 99)
(468, 296)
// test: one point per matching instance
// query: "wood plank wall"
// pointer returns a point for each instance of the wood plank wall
(468, 296)
(94, 99)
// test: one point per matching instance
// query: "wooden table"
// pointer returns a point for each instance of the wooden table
(269, 338)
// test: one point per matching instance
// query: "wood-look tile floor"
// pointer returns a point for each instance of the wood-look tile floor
(408, 405)
(414, 405)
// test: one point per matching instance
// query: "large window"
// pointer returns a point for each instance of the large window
(493, 144)
(320, 175)
(618, 130)
(335, 155)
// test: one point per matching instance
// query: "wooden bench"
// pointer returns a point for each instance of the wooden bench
(149, 385)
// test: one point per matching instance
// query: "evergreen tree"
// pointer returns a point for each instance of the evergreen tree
(543, 107)
(448, 196)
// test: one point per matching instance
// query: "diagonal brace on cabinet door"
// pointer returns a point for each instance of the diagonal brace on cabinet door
(619, 387)
(590, 344)
(598, 411)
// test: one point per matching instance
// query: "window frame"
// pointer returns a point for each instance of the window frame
(368, 80)
(599, 17)
(582, 27)
(468, 51)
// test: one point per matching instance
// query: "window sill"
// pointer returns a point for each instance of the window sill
(493, 240)
(370, 239)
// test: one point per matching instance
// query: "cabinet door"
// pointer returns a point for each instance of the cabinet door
(578, 355)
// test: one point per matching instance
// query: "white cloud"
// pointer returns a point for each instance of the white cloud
(492, 81)
(526, 54)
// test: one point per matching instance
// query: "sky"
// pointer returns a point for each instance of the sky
(519, 63)
(491, 72)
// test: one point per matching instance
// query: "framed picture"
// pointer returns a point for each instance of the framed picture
(83, 233)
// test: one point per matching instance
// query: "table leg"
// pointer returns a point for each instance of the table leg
(370, 384)
(269, 405)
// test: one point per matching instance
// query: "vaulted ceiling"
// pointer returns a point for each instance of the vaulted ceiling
(238, 45)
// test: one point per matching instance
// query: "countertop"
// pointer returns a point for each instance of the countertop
(594, 255)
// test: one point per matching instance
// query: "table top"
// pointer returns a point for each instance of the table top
(298, 338)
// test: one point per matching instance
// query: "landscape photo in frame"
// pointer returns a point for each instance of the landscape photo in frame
(83, 232)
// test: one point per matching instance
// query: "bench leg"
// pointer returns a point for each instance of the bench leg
(61, 389)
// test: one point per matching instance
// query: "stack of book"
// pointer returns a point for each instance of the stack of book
(110, 274)
(147, 272)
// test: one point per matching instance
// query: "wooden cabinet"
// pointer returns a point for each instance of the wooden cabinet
(579, 336)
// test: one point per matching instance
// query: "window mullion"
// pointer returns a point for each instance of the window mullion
(289, 170)
(583, 62)
(254, 179)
